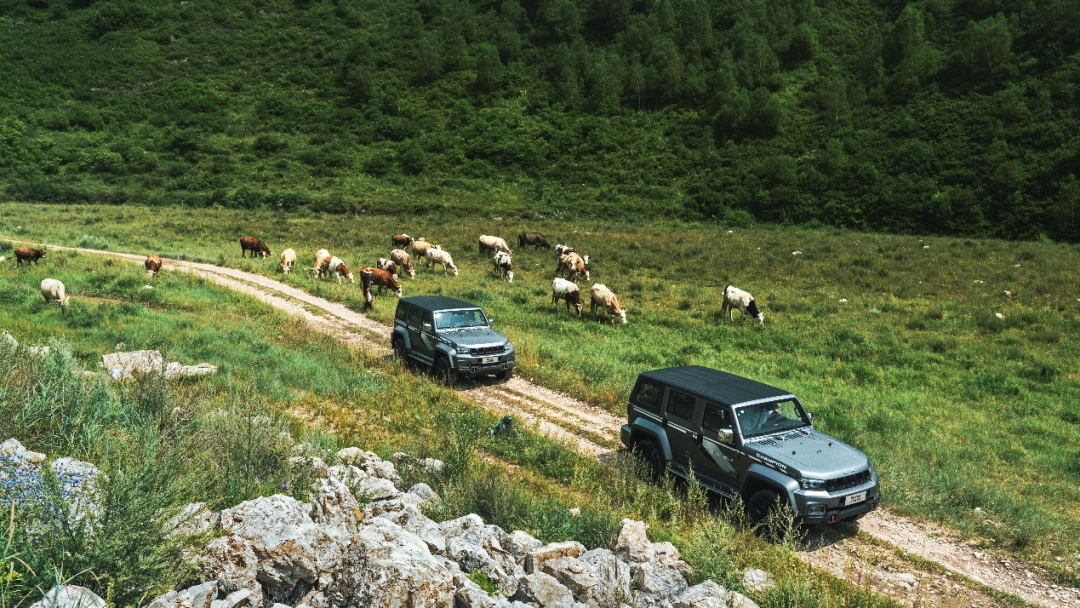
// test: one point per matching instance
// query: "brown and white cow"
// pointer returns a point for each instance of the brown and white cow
(493, 243)
(387, 265)
(254, 245)
(561, 250)
(321, 260)
(26, 254)
(535, 239)
(574, 265)
(152, 264)
(604, 299)
(401, 240)
(737, 299)
(420, 247)
(502, 264)
(339, 269)
(288, 260)
(403, 261)
(383, 280)
(561, 289)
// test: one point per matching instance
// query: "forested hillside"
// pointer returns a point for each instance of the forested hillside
(949, 116)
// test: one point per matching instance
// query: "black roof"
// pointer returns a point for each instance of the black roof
(434, 303)
(715, 385)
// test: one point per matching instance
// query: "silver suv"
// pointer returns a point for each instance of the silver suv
(451, 337)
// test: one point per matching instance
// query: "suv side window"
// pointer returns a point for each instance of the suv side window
(715, 418)
(648, 396)
(402, 311)
(428, 322)
(681, 405)
(414, 317)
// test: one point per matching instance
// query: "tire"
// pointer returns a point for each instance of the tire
(505, 375)
(399, 351)
(650, 454)
(442, 370)
(760, 504)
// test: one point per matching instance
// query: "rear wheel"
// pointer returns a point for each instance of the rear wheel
(442, 370)
(399, 350)
(651, 456)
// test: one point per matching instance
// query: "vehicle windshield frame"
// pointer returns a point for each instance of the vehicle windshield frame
(762, 409)
(438, 314)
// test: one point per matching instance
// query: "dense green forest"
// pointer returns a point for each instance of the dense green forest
(946, 116)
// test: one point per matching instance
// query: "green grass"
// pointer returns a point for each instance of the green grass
(218, 438)
(958, 409)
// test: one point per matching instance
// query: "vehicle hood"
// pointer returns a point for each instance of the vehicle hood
(474, 337)
(809, 453)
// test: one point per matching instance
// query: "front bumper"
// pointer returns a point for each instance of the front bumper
(817, 507)
(473, 366)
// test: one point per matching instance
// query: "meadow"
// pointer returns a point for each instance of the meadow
(227, 437)
(892, 342)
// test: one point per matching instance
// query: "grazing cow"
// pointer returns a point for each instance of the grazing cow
(339, 269)
(420, 248)
(603, 298)
(561, 289)
(502, 266)
(574, 265)
(53, 291)
(25, 254)
(401, 240)
(254, 245)
(493, 243)
(403, 261)
(153, 264)
(737, 299)
(438, 256)
(387, 265)
(535, 239)
(384, 280)
(321, 259)
(561, 250)
(288, 260)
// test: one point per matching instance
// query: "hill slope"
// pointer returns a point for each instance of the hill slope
(934, 116)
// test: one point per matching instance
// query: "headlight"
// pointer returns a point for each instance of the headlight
(812, 484)
(463, 350)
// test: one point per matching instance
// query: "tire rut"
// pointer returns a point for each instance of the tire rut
(884, 555)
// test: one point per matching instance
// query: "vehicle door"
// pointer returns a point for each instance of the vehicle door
(416, 340)
(716, 458)
(680, 414)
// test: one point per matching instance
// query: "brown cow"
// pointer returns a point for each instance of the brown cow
(575, 266)
(153, 264)
(401, 241)
(383, 279)
(535, 239)
(26, 254)
(254, 245)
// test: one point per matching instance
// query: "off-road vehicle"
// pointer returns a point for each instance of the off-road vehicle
(744, 438)
(451, 337)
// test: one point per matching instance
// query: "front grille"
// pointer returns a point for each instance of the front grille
(848, 481)
(486, 351)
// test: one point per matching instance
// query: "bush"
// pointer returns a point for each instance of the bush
(89, 241)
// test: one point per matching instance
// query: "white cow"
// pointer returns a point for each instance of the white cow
(438, 256)
(501, 262)
(493, 243)
(288, 260)
(404, 262)
(54, 291)
(605, 299)
(737, 299)
(561, 289)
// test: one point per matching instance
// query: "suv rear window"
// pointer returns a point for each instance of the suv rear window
(681, 405)
(648, 396)
(414, 317)
(402, 311)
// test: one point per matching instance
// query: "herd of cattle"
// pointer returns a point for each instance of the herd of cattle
(386, 271)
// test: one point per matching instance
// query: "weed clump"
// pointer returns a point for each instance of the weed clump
(90, 241)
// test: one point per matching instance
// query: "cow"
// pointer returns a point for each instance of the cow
(535, 239)
(26, 254)
(383, 279)
(603, 298)
(387, 265)
(403, 261)
(420, 248)
(438, 256)
(53, 291)
(737, 299)
(339, 269)
(574, 265)
(561, 250)
(561, 289)
(254, 245)
(321, 259)
(493, 243)
(401, 240)
(152, 264)
(502, 266)
(288, 260)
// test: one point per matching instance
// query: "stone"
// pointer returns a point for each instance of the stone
(412, 520)
(534, 559)
(577, 576)
(659, 580)
(544, 591)
(469, 529)
(374, 488)
(353, 456)
(757, 580)
(386, 566)
(631, 537)
(613, 576)
(232, 561)
(382, 469)
(706, 595)
(78, 481)
(518, 544)
(70, 596)
(390, 505)
(7, 339)
(236, 599)
(469, 595)
(123, 366)
(334, 505)
(12, 447)
(346, 474)
(474, 558)
(314, 463)
(424, 491)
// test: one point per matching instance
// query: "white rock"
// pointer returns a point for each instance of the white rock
(374, 488)
(757, 580)
(659, 580)
(8, 339)
(534, 559)
(612, 574)
(334, 505)
(631, 538)
(424, 491)
(518, 544)
(123, 365)
(706, 595)
(543, 591)
(469, 595)
(78, 480)
(231, 560)
(390, 505)
(13, 448)
(412, 520)
(70, 596)
(314, 463)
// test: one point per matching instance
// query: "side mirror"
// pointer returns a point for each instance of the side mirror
(491, 320)
(810, 417)
(427, 327)
(725, 435)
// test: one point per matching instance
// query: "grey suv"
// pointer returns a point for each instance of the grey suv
(744, 438)
(450, 336)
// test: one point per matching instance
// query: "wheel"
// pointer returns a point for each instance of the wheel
(761, 503)
(505, 375)
(399, 350)
(651, 456)
(442, 370)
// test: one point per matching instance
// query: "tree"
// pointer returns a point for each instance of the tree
(985, 47)
(489, 68)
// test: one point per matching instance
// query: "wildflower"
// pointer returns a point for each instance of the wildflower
(796, 252)
(843, 300)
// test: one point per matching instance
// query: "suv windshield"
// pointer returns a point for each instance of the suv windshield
(456, 319)
(772, 417)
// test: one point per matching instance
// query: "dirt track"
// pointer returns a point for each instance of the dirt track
(877, 554)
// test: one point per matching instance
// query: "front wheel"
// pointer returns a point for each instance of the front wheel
(399, 350)
(505, 375)
(761, 503)
(653, 459)
(442, 370)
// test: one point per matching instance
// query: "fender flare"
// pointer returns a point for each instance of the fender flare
(404, 335)
(446, 351)
(655, 432)
(784, 485)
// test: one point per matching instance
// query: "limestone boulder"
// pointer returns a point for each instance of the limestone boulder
(79, 484)
(334, 505)
(544, 591)
(469, 595)
(659, 580)
(613, 576)
(402, 501)
(518, 544)
(199, 596)
(424, 491)
(232, 561)
(412, 520)
(535, 558)
(69, 596)
(17, 453)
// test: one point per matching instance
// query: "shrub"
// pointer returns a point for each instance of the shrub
(90, 241)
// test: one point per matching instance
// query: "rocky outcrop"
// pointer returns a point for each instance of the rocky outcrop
(70, 596)
(123, 366)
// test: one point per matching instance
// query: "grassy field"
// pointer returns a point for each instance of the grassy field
(892, 342)
(219, 438)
